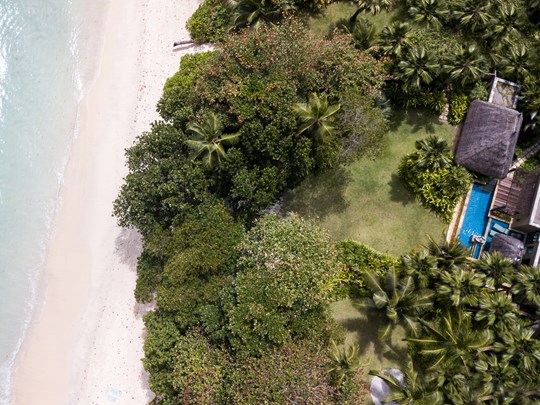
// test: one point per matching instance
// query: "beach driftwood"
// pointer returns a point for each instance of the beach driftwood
(189, 41)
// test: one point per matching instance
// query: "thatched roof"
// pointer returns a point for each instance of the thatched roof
(488, 139)
(508, 246)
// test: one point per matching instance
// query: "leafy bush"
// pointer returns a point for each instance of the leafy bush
(210, 21)
(359, 258)
(479, 92)
(287, 269)
(459, 105)
(440, 189)
(407, 97)
(199, 370)
(363, 126)
(179, 100)
(295, 373)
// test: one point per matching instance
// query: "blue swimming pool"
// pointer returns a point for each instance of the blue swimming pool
(476, 215)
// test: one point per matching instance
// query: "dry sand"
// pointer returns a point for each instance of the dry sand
(86, 343)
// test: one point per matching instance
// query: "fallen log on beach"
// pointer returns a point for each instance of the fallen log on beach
(177, 43)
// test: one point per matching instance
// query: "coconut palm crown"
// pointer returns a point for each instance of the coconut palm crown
(316, 116)
(209, 141)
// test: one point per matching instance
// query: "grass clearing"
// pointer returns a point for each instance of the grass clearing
(366, 201)
(362, 329)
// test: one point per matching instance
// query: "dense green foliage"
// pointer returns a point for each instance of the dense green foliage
(241, 316)
(472, 343)
(210, 21)
(253, 83)
(358, 259)
(232, 309)
(453, 45)
(296, 263)
(433, 177)
(162, 183)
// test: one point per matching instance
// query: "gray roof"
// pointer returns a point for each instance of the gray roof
(510, 247)
(488, 139)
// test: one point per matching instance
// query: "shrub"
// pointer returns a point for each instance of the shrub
(295, 373)
(407, 97)
(358, 258)
(458, 108)
(287, 269)
(479, 92)
(438, 190)
(363, 126)
(210, 21)
(199, 370)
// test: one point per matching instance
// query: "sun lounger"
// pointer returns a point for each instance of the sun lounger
(499, 228)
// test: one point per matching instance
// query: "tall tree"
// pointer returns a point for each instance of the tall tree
(414, 390)
(432, 153)
(395, 38)
(209, 141)
(253, 13)
(451, 339)
(398, 300)
(474, 15)
(316, 116)
(467, 67)
(417, 68)
(432, 13)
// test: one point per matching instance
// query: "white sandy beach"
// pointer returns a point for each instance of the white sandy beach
(86, 343)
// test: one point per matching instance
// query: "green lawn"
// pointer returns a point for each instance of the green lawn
(322, 23)
(362, 329)
(366, 201)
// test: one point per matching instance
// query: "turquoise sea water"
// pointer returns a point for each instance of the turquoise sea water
(42, 49)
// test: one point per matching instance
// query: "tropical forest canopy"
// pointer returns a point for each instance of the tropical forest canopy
(242, 295)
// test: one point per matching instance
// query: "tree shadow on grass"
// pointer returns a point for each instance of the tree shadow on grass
(418, 119)
(371, 349)
(398, 191)
(319, 196)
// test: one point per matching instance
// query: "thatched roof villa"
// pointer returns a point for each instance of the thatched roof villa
(488, 139)
(510, 247)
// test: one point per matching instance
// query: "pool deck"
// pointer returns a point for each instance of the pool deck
(454, 229)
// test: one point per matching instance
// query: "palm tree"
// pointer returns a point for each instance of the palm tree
(474, 15)
(316, 116)
(516, 62)
(497, 269)
(468, 66)
(253, 13)
(209, 141)
(371, 6)
(449, 254)
(518, 345)
(432, 153)
(497, 375)
(421, 266)
(414, 390)
(506, 23)
(363, 33)
(526, 285)
(395, 38)
(497, 309)
(460, 287)
(417, 68)
(398, 299)
(452, 340)
(344, 363)
(530, 96)
(430, 12)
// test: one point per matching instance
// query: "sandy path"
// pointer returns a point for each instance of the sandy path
(85, 345)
